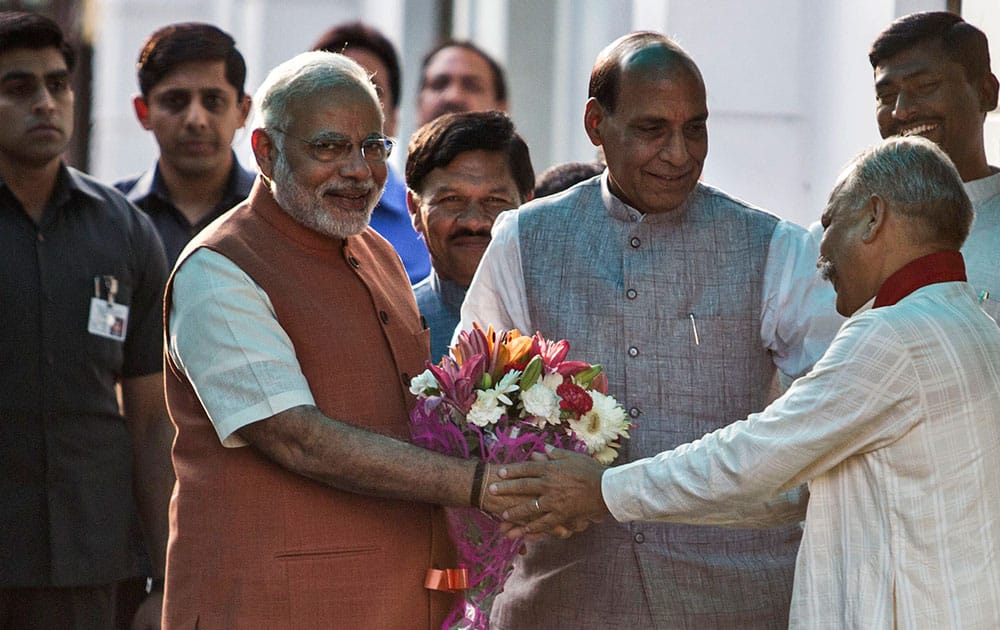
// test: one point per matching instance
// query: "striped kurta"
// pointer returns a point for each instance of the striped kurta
(897, 431)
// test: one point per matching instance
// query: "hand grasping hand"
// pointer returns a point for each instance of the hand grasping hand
(567, 491)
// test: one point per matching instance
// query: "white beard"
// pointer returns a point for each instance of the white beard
(307, 207)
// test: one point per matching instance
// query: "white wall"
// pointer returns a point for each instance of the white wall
(789, 84)
(267, 32)
(986, 15)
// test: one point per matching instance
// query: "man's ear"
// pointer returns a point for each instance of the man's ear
(245, 104)
(875, 211)
(264, 151)
(141, 108)
(988, 93)
(413, 205)
(593, 116)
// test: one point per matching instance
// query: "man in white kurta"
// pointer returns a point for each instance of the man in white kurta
(894, 429)
(902, 469)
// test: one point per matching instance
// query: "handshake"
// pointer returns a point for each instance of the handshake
(553, 494)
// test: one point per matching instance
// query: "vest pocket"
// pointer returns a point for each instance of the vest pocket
(306, 554)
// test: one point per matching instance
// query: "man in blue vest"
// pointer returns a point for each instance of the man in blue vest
(462, 170)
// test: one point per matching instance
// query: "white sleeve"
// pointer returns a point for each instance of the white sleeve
(798, 308)
(497, 295)
(734, 473)
(225, 337)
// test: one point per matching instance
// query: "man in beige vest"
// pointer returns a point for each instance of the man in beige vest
(292, 335)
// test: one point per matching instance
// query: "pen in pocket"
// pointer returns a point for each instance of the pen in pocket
(694, 330)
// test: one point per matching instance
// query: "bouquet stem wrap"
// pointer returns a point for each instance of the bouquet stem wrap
(499, 398)
(483, 550)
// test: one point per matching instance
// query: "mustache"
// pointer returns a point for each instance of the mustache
(462, 233)
(340, 187)
(826, 269)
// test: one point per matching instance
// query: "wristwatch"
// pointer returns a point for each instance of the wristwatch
(154, 585)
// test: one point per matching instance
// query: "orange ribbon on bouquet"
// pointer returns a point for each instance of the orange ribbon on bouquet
(450, 580)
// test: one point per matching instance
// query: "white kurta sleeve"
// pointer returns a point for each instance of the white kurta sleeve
(225, 337)
(497, 295)
(798, 310)
(857, 398)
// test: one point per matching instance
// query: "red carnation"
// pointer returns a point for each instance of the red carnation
(574, 398)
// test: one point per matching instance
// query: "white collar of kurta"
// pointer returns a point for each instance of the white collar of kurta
(618, 209)
(980, 190)
(867, 306)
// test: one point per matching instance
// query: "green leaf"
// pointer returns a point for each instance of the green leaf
(531, 373)
(586, 377)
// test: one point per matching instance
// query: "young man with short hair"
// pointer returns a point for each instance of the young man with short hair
(191, 82)
(933, 79)
(458, 76)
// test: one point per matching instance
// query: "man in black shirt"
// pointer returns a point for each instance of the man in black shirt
(81, 290)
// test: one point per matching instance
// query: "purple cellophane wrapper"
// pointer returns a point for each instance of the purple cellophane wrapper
(483, 550)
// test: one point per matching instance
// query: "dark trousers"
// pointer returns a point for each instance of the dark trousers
(129, 593)
(76, 608)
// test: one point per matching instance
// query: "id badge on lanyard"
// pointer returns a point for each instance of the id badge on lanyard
(107, 318)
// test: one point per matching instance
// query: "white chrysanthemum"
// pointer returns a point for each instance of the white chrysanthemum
(605, 422)
(491, 404)
(422, 382)
(606, 455)
(486, 410)
(541, 402)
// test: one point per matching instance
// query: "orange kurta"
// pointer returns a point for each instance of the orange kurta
(253, 545)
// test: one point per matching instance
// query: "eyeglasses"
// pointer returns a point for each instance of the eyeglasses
(374, 150)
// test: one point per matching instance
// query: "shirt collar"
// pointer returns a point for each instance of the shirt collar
(76, 182)
(946, 266)
(70, 184)
(151, 184)
(452, 293)
(979, 190)
(618, 209)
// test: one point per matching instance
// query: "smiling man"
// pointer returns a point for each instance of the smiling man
(462, 170)
(894, 429)
(293, 333)
(191, 81)
(933, 79)
(693, 301)
(376, 54)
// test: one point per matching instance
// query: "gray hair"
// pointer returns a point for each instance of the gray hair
(302, 76)
(921, 182)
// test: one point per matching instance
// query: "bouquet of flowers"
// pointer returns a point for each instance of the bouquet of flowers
(500, 397)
